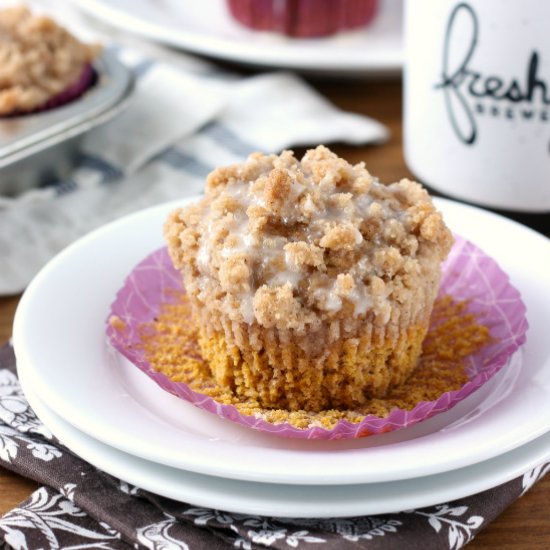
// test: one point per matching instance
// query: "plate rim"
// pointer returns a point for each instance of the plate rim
(452, 485)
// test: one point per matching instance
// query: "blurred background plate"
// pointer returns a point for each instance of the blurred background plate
(206, 28)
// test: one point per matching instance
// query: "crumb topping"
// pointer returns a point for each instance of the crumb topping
(289, 243)
(38, 59)
(117, 323)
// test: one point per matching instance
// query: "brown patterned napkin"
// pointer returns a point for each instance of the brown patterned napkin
(80, 506)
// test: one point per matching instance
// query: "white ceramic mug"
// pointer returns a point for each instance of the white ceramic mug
(477, 100)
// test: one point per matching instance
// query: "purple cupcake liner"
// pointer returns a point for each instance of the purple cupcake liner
(467, 274)
(86, 80)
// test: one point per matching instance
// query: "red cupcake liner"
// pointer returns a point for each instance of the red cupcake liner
(303, 18)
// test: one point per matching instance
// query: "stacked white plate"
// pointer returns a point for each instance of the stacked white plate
(112, 415)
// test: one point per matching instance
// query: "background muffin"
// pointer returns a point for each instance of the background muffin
(312, 283)
(41, 64)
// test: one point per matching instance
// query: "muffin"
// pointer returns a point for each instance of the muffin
(311, 282)
(303, 18)
(41, 64)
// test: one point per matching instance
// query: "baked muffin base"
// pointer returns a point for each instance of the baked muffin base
(284, 376)
(170, 344)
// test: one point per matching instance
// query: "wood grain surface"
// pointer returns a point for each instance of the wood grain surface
(526, 524)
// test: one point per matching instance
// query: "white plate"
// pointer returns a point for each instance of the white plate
(205, 27)
(292, 500)
(59, 339)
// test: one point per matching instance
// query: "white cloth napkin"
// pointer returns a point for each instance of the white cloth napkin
(186, 117)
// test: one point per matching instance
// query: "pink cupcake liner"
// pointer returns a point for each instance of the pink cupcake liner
(303, 18)
(467, 274)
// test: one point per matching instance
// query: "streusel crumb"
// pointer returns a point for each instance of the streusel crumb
(38, 60)
(117, 323)
(277, 241)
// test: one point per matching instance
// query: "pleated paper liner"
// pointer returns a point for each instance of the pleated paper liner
(86, 80)
(488, 323)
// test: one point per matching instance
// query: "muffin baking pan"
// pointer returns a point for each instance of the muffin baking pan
(38, 149)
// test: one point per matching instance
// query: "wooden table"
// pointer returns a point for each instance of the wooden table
(526, 524)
